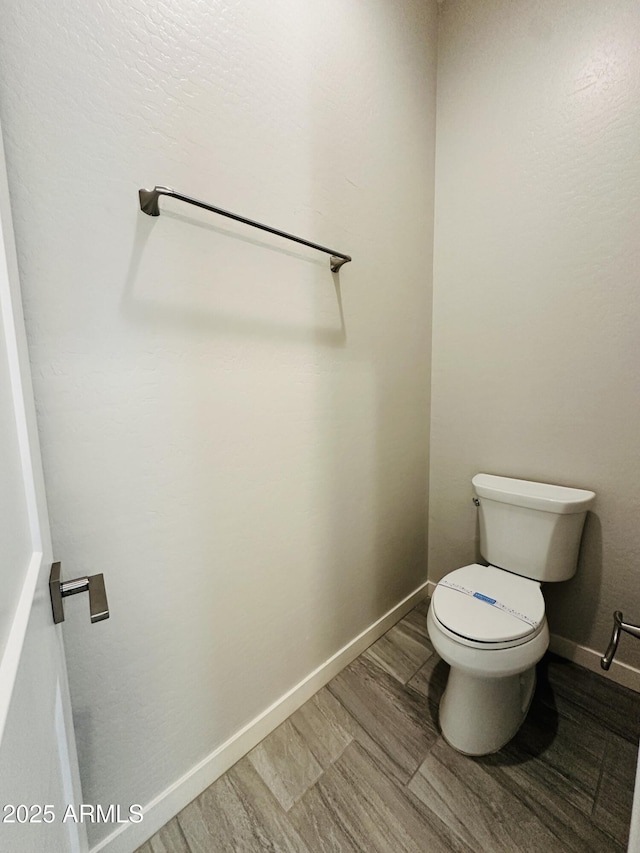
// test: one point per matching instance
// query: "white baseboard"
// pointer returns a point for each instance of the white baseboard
(620, 673)
(128, 837)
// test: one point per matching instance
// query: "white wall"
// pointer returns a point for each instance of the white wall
(16, 545)
(536, 298)
(237, 441)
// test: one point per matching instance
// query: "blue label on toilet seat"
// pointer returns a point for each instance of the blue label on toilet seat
(484, 598)
(492, 601)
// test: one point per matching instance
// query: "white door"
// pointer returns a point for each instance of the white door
(38, 765)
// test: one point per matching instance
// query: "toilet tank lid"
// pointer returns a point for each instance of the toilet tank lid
(526, 493)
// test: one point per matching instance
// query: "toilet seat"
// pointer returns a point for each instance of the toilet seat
(488, 607)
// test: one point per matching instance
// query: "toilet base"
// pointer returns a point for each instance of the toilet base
(479, 716)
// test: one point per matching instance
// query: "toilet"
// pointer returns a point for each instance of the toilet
(488, 621)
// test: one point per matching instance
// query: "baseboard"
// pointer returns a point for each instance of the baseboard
(621, 673)
(128, 837)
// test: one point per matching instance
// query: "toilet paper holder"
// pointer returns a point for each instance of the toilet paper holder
(618, 627)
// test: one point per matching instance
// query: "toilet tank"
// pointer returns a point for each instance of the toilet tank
(531, 529)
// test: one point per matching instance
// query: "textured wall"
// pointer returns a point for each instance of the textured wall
(238, 443)
(536, 362)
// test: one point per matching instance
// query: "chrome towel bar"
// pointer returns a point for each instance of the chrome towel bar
(149, 205)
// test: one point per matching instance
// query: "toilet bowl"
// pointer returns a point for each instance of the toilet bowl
(488, 621)
(492, 654)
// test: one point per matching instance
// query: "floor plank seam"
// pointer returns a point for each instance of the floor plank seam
(183, 836)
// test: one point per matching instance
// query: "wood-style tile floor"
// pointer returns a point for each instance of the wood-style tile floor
(362, 767)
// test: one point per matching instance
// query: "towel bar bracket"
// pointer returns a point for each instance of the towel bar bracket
(149, 205)
(618, 626)
(336, 262)
(149, 200)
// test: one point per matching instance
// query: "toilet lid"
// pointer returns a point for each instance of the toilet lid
(488, 605)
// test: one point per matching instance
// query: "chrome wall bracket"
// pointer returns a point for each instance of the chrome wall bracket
(618, 627)
(336, 262)
(93, 584)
